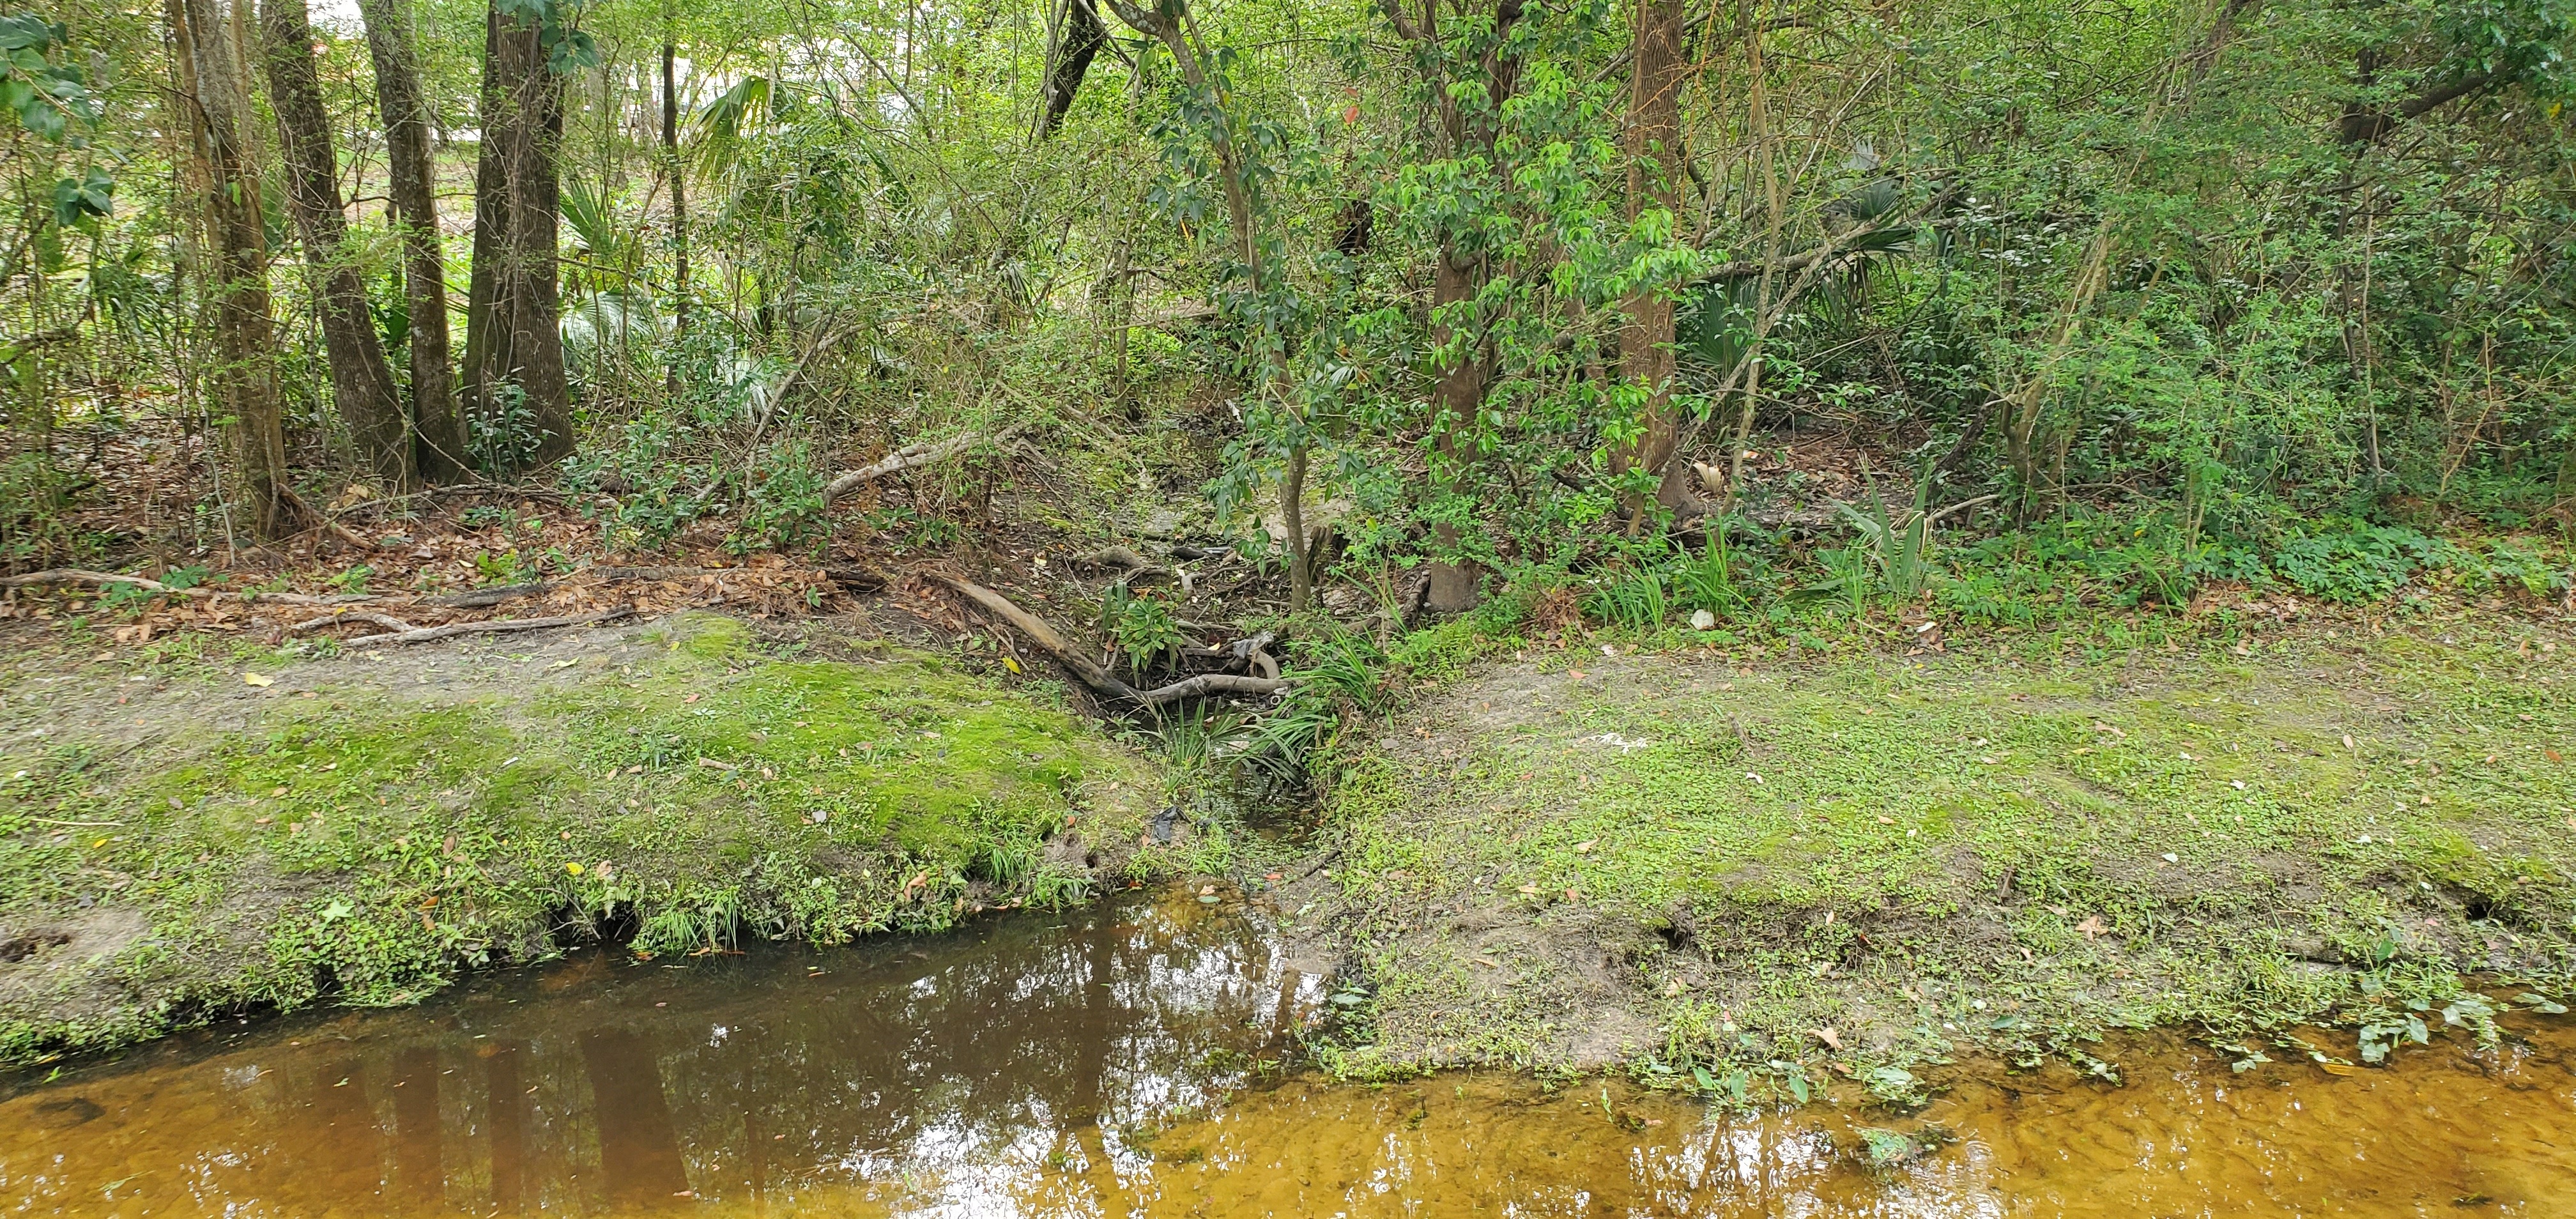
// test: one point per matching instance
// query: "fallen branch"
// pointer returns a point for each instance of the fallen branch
(1211, 683)
(921, 453)
(75, 575)
(1088, 671)
(338, 616)
(1084, 668)
(502, 627)
(483, 598)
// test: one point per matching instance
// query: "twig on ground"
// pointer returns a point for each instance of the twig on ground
(502, 627)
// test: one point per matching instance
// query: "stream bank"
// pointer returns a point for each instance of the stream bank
(1133, 1057)
(184, 835)
(1729, 870)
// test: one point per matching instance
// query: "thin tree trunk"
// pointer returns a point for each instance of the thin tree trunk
(679, 197)
(362, 383)
(1292, 515)
(513, 350)
(1654, 139)
(245, 377)
(437, 429)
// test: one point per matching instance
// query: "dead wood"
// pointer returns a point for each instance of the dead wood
(502, 627)
(921, 453)
(484, 597)
(1075, 661)
(339, 616)
(1088, 671)
(1211, 683)
(75, 575)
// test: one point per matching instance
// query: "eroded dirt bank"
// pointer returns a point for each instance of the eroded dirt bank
(1726, 867)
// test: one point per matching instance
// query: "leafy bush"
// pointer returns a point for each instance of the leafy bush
(2358, 563)
(783, 506)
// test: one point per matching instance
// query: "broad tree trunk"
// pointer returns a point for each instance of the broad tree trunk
(362, 383)
(1084, 35)
(244, 380)
(438, 429)
(513, 351)
(1654, 151)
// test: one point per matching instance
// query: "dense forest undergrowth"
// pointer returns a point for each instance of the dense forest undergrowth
(1251, 373)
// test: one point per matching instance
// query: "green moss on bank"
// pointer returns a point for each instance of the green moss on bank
(364, 843)
(1875, 863)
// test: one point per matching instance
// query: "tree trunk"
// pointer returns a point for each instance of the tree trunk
(438, 431)
(514, 373)
(244, 380)
(1084, 35)
(1455, 397)
(1292, 516)
(679, 200)
(1654, 151)
(362, 383)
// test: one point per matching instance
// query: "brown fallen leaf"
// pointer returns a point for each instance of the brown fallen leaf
(1832, 1039)
(2091, 927)
(1585, 847)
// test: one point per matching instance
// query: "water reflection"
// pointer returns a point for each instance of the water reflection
(1100, 1064)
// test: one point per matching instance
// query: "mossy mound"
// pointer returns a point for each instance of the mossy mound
(1712, 866)
(360, 829)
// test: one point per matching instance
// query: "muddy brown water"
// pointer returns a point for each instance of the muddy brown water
(1114, 1061)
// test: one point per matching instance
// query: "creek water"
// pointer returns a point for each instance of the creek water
(1134, 1059)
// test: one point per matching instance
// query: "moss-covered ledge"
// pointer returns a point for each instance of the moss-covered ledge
(360, 828)
(1723, 868)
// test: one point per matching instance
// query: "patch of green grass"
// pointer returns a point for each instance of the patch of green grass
(365, 847)
(1929, 853)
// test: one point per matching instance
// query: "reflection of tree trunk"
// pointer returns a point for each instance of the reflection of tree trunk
(1084, 35)
(362, 384)
(418, 1176)
(508, 1121)
(245, 375)
(344, 1153)
(1654, 176)
(438, 429)
(511, 308)
(638, 1148)
(1099, 1024)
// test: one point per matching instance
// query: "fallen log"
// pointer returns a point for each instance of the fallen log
(504, 626)
(75, 575)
